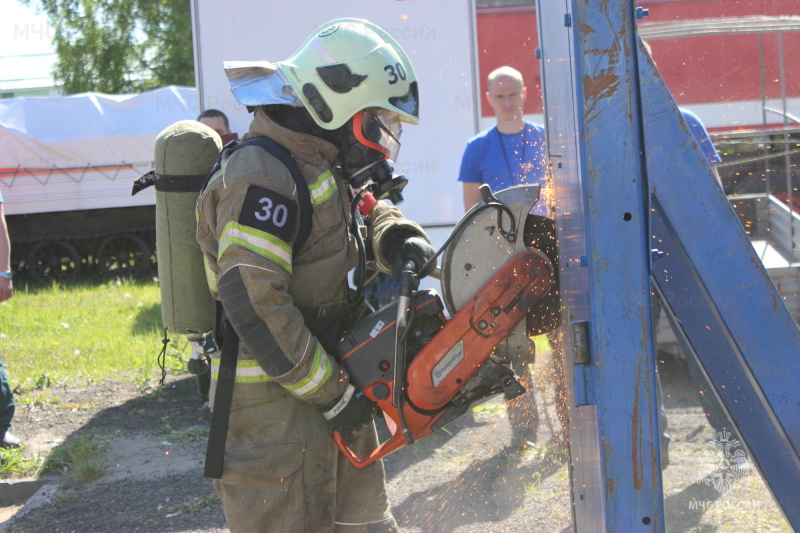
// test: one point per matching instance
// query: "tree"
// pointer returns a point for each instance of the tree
(120, 46)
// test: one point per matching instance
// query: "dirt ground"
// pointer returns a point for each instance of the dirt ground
(465, 479)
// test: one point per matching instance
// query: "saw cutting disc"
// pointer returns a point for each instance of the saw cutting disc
(483, 241)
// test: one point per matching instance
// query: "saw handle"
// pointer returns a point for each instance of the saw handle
(393, 443)
(408, 284)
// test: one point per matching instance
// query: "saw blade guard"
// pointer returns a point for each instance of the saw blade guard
(481, 243)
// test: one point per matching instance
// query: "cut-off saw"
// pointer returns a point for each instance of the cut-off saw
(423, 369)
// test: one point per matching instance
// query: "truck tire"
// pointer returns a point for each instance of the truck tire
(123, 256)
(50, 261)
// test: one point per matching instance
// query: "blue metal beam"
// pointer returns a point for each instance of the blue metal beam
(594, 139)
(626, 170)
(721, 295)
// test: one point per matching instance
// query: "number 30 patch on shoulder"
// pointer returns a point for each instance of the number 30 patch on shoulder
(270, 212)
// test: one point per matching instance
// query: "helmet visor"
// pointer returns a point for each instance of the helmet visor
(409, 103)
(379, 129)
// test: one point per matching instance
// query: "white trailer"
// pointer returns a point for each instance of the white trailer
(67, 166)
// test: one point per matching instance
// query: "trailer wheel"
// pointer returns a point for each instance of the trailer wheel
(50, 261)
(123, 256)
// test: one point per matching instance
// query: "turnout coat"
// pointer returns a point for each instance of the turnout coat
(248, 217)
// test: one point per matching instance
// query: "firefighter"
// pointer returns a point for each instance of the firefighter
(337, 105)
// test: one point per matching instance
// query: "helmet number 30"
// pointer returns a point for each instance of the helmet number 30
(396, 73)
(278, 214)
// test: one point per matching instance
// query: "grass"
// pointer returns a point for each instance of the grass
(36, 400)
(85, 332)
(193, 434)
(14, 463)
(191, 506)
(74, 335)
(84, 458)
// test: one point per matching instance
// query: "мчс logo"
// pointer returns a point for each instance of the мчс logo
(728, 469)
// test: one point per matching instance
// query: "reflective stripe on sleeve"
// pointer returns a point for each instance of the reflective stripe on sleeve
(262, 243)
(323, 188)
(249, 371)
(319, 373)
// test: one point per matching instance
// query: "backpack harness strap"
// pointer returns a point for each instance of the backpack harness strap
(223, 396)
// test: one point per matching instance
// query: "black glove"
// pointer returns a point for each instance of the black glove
(402, 246)
(351, 413)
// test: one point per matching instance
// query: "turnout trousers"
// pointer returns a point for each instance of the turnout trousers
(283, 471)
(6, 401)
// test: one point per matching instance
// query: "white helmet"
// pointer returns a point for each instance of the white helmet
(345, 66)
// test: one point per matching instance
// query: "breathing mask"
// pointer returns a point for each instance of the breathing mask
(372, 140)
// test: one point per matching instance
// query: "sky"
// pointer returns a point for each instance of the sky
(22, 30)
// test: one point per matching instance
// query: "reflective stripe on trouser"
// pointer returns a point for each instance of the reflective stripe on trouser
(283, 471)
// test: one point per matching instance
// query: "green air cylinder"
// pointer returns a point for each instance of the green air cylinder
(185, 152)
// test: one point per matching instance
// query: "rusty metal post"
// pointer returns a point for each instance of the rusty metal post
(629, 177)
